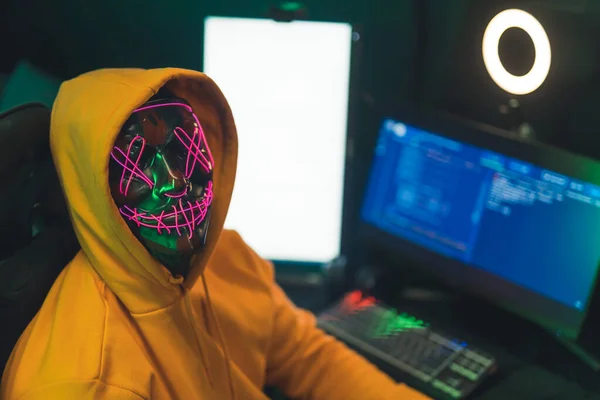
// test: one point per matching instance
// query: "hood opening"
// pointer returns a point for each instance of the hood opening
(87, 117)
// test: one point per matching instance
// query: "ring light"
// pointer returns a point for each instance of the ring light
(529, 82)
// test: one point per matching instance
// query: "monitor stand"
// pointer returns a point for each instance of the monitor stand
(578, 352)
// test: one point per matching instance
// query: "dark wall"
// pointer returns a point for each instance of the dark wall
(414, 52)
(68, 37)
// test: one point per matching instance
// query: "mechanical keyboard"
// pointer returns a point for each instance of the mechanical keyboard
(447, 365)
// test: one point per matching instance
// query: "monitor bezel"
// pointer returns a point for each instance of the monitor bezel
(469, 279)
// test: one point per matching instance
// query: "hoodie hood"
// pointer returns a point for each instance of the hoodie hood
(86, 119)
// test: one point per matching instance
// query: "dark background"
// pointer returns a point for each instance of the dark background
(415, 53)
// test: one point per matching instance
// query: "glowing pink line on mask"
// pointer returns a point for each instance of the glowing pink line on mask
(193, 216)
(193, 151)
(206, 164)
(176, 221)
(188, 222)
(174, 213)
(200, 132)
(176, 196)
(135, 216)
(202, 138)
(136, 163)
(143, 219)
(134, 170)
(159, 223)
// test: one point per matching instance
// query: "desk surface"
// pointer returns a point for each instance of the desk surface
(532, 364)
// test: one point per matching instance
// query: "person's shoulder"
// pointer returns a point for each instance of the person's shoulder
(82, 390)
(233, 254)
(64, 340)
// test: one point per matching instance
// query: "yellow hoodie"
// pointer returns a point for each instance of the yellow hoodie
(116, 325)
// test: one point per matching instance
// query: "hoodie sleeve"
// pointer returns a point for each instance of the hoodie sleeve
(81, 390)
(306, 363)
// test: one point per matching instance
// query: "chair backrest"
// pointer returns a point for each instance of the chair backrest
(36, 235)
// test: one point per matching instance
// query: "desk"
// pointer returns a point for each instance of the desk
(531, 363)
(532, 383)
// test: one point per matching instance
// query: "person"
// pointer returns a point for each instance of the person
(147, 161)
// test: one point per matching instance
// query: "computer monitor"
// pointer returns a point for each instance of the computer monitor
(515, 222)
(288, 87)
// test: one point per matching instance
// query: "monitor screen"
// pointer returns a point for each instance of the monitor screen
(288, 87)
(517, 225)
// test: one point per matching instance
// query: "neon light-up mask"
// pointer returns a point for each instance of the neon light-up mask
(160, 175)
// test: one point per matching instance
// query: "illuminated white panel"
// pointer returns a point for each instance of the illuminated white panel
(287, 84)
